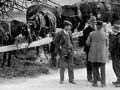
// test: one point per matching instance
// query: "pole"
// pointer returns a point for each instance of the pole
(54, 2)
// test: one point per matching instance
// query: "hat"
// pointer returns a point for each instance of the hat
(92, 19)
(116, 28)
(99, 23)
(66, 22)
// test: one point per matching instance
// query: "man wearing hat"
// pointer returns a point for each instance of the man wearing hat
(114, 49)
(91, 27)
(64, 48)
(98, 42)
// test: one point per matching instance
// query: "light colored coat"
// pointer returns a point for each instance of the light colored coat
(98, 42)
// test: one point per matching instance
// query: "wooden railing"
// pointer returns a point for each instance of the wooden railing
(40, 42)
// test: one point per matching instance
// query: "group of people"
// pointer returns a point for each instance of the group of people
(96, 47)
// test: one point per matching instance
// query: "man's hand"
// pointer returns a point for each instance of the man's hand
(57, 57)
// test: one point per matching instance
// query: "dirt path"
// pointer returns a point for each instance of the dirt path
(51, 81)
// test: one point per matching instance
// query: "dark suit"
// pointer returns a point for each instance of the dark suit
(86, 33)
(89, 64)
(64, 47)
(114, 48)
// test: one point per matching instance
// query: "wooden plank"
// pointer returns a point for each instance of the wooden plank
(43, 41)
(77, 34)
(25, 45)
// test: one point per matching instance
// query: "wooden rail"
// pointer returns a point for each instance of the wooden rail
(41, 42)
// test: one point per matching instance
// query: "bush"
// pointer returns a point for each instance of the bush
(79, 58)
(23, 68)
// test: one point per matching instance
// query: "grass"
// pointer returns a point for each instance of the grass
(22, 70)
(22, 67)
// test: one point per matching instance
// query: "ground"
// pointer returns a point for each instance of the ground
(51, 81)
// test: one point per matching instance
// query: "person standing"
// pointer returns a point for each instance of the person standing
(98, 42)
(64, 48)
(114, 49)
(91, 27)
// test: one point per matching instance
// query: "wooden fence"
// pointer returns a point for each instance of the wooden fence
(40, 42)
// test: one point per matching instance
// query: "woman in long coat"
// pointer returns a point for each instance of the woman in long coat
(98, 42)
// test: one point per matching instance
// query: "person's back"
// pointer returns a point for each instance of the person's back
(98, 42)
(99, 37)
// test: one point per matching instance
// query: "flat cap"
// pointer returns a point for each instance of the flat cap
(66, 22)
(99, 23)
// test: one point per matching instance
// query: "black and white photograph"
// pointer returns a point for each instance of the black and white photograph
(59, 44)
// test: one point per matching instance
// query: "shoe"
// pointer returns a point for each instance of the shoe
(116, 82)
(61, 82)
(103, 85)
(117, 85)
(91, 81)
(90, 78)
(95, 84)
(72, 82)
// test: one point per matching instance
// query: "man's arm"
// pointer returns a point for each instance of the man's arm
(57, 42)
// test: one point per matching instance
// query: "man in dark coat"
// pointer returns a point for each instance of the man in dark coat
(114, 48)
(64, 48)
(86, 32)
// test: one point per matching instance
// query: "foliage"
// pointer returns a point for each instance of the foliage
(79, 58)
(23, 65)
(21, 70)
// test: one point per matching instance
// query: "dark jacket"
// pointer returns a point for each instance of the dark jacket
(61, 43)
(114, 45)
(86, 33)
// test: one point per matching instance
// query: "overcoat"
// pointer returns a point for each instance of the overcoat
(98, 42)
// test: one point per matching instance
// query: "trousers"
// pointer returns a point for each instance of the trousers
(116, 67)
(67, 61)
(96, 67)
(89, 68)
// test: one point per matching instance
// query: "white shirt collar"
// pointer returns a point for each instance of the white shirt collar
(65, 32)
